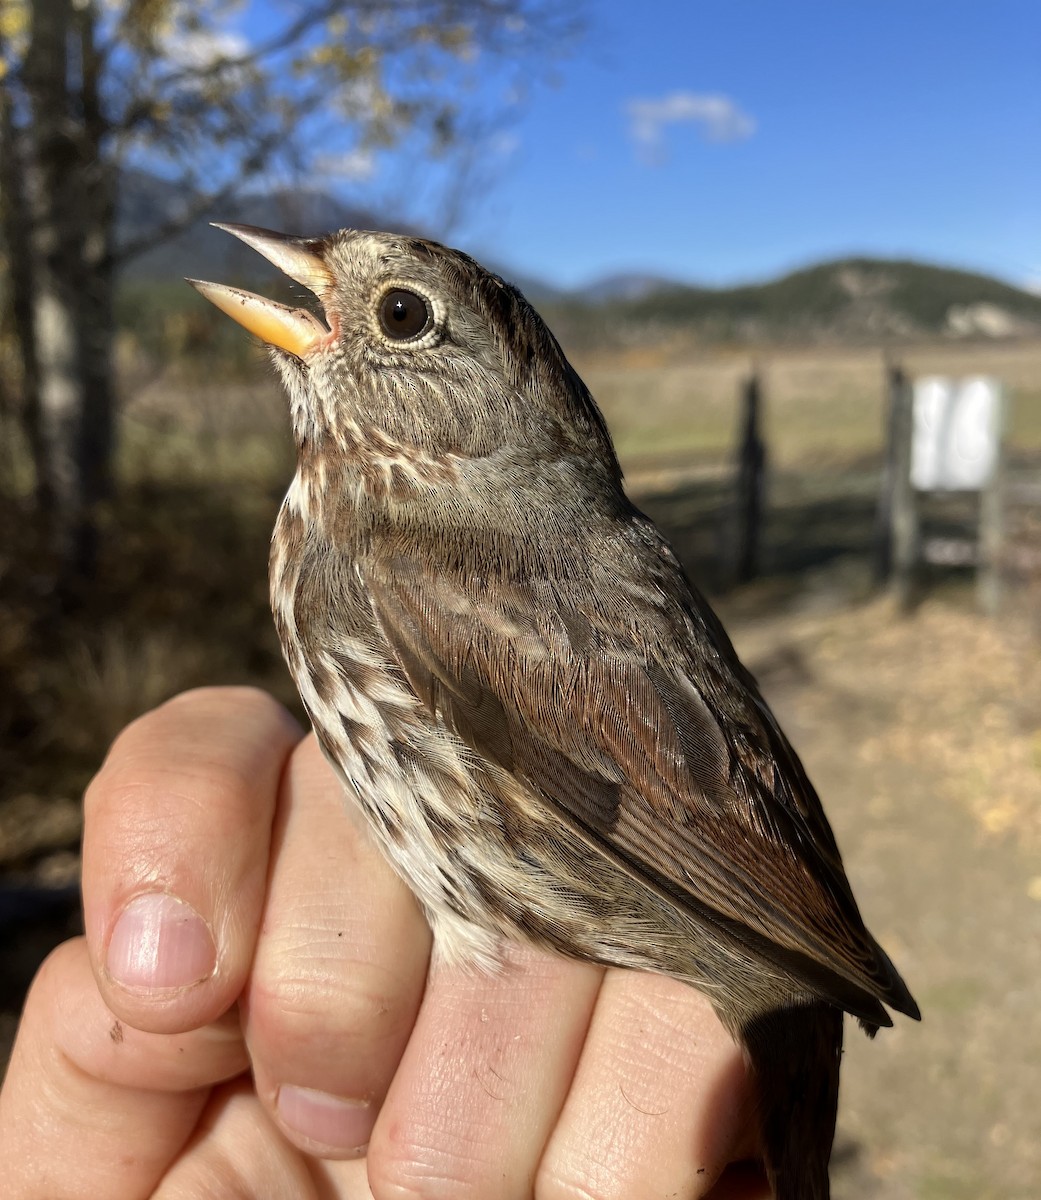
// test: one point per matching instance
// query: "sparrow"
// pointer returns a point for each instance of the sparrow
(544, 722)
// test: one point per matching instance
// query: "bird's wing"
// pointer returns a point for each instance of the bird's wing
(688, 781)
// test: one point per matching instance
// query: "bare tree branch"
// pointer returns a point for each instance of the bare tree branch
(173, 87)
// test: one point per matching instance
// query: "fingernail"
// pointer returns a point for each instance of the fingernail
(332, 1121)
(160, 942)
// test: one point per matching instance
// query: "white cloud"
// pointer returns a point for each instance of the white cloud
(717, 118)
(356, 165)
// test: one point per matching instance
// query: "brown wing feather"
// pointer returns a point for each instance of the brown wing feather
(630, 750)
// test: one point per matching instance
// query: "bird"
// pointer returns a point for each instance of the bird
(544, 722)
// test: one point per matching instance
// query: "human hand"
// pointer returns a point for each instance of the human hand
(236, 918)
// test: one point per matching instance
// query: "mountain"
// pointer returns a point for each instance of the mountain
(630, 286)
(201, 251)
(146, 201)
(848, 300)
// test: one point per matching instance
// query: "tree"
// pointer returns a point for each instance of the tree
(211, 97)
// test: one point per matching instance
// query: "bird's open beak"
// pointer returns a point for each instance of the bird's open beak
(293, 329)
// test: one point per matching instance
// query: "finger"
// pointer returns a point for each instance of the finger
(92, 1107)
(236, 1151)
(661, 1102)
(483, 1079)
(175, 854)
(339, 971)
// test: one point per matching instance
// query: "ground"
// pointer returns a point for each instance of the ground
(922, 732)
(923, 736)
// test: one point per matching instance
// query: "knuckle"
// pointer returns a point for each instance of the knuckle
(553, 1184)
(240, 701)
(149, 825)
(151, 749)
(149, 791)
(212, 695)
(297, 1006)
(408, 1166)
(592, 1180)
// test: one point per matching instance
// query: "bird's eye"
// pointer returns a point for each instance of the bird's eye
(404, 315)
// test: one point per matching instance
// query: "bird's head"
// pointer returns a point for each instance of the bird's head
(425, 363)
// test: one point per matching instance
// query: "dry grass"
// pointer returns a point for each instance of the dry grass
(227, 433)
(923, 735)
(823, 406)
(945, 695)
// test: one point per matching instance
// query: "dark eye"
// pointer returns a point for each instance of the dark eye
(404, 315)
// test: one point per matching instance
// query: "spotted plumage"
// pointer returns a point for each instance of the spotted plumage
(545, 724)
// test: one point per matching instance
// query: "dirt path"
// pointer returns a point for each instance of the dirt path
(924, 738)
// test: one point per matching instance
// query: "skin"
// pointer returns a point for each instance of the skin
(552, 1079)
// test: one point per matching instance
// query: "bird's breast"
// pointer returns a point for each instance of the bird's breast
(412, 779)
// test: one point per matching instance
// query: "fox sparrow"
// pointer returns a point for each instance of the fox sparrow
(544, 722)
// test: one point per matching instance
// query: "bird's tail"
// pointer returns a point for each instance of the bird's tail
(795, 1052)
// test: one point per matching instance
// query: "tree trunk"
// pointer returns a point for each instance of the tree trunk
(15, 230)
(72, 281)
(96, 442)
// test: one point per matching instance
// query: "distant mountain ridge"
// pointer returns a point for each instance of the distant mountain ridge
(624, 287)
(146, 201)
(847, 300)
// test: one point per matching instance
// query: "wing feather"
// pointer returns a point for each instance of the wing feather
(633, 752)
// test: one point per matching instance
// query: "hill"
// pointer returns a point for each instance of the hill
(848, 301)
(146, 201)
(845, 301)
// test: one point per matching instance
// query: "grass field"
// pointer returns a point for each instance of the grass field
(823, 406)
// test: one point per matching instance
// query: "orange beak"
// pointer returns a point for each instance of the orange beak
(292, 329)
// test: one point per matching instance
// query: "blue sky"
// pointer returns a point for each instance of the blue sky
(719, 141)
(728, 140)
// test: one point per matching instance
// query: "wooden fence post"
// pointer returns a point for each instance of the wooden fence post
(902, 502)
(884, 515)
(751, 470)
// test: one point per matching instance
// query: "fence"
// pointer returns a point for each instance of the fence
(943, 439)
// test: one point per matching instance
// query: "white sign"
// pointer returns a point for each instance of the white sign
(957, 424)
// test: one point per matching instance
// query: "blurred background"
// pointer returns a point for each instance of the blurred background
(757, 230)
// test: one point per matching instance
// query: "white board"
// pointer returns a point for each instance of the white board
(957, 424)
